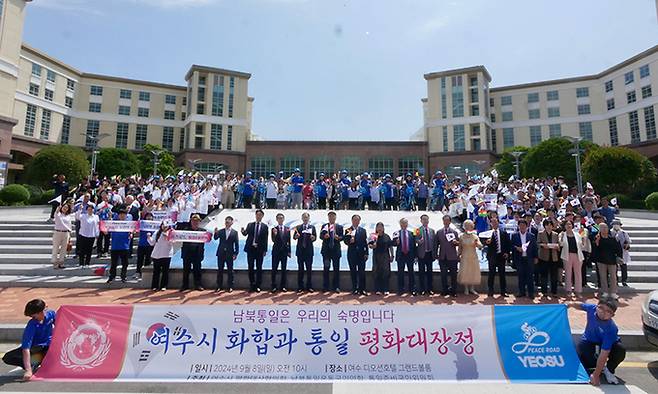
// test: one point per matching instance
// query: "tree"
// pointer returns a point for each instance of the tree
(115, 161)
(552, 158)
(166, 165)
(506, 165)
(617, 170)
(68, 160)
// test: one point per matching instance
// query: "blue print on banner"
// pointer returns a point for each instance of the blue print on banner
(535, 344)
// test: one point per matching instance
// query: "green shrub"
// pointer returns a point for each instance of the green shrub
(35, 192)
(46, 196)
(14, 194)
(651, 201)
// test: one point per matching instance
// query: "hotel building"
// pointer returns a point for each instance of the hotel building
(206, 122)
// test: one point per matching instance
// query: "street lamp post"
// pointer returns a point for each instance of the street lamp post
(94, 140)
(517, 155)
(156, 161)
(575, 152)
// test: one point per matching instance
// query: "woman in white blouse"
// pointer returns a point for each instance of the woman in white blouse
(89, 231)
(572, 257)
(163, 249)
(61, 234)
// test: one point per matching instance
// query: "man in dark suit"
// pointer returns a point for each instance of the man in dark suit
(524, 254)
(256, 248)
(427, 253)
(405, 255)
(280, 252)
(498, 248)
(192, 254)
(305, 235)
(227, 252)
(331, 234)
(447, 240)
(356, 240)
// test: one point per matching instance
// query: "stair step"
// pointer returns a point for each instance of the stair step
(48, 270)
(643, 233)
(643, 277)
(21, 226)
(637, 247)
(83, 281)
(27, 233)
(643, 266)
(29, 241)
(25, 249)
(643, 256)
(645, 240)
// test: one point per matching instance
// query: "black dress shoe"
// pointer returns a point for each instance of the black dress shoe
(257, 290)
(283, 289)
(300, 291)
(363, 293)
(490, 293)
(337, 290)
(504, 294)
(310, 290)
(199, 288)
(520, 295)
(184, 288)
(430, 292)
(230, 290)
(217, 290)
(444, 293)
(413, 294)
(355, 292)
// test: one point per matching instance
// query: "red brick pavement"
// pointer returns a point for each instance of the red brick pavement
(12, 301)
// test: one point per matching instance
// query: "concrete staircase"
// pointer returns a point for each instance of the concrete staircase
(25, 252)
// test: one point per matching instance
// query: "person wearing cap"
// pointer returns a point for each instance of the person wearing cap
(388, 192)
(600, 331)
(248, 189)
(625, 242)
(364, 189)
(297, 183)
(344, 184)
(192, 254)
(271, 192)
(438, 192)
(119, 248)
(321, 190)
(256, 249)
(89, 231)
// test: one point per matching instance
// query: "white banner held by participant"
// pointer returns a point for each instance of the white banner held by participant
(189, 236)
(119, 226)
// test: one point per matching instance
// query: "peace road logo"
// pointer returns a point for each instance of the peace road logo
(86, 347)
(533, 351)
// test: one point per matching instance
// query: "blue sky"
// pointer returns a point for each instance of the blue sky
(341, 69)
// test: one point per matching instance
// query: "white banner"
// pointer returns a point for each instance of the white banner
(189, 236)
(149, 225)
(119, 226)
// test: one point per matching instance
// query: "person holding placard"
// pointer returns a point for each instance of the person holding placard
(305, 235)
(119, 248)
(192, 254)
(331, 235)
(447, 239)
(469, 265)
(572, 257)
(405, 255)
(498, 249)
(144, 248)
(89, 230)
(161, 254)
(549, 248)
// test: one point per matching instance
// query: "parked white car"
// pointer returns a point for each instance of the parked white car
(650, 318)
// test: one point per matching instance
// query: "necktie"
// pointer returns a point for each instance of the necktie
(256, 232)
(303, 236)
(405, 246)
(497, 235)
(331, 236)
(427, 239)
(280, 232)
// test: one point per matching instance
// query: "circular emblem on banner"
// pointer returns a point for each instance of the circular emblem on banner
(86, 347)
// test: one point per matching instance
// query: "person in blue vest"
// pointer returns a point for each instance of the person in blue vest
(297, 182)
(119, 248)
(36, 338)
(422, 194)
(387, 186)
(248, 187)
(345, 183)
(364, 188)
(144, 249)
(321, 190)
(438, 192)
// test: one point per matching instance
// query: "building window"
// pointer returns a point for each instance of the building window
(50, 75)
(170, 99)
(585, 129)
(218, 96)
(612, 126)
(646, 91)
(320, 164)
(634, 126)
(444, 132)
(68, 102)
(30, 120)
(168, 138)
(457, 102)
(122, 135)
(508, 137)
(48, 95)
(229, 138)
(507, 116)
(628, 78)
(188, 134)
(410, 164)
(610, 103)
(36, 70)
(650, 122)
(181, 139)
(183, 115)
(380, 166)
(444, 99)
(216, 136)
(289, 163)
(644, 71)
(552, 95)
(198, 142)
(231, 93)
(608, 86)
(201, 94)
(476, 144)
(554, 131)
(94, 107)
(183, 101)
(583, 109)
(200, 108)
(66, 130)
(535, 135)
(124, 110)
(492, 102)
(70, 84)
(506, 100)
(144, 96)
(494, 142)
(93, 127)
(170, 115)
(533, 97)
(458, 138)
(352, 164)
(582, 92)
(630, 97)
(475, 110)
(95, 90)
(475, 130)
(493, 118)
(143, 112)
(45, 124)
(34, 89)
(533, 114)
(140, 136)
(553, 112)
(125, 94)
(202, 80)
(262, 166)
